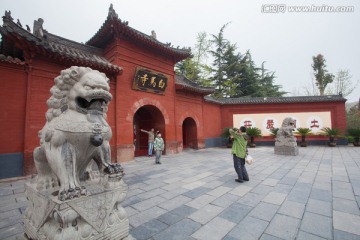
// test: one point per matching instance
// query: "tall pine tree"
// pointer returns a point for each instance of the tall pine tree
(232, 74)
(236, 75)
(219, 78)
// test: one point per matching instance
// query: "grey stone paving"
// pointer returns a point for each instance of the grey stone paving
(193, 195)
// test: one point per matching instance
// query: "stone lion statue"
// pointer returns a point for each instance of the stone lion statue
(285, 136)
(76, 132)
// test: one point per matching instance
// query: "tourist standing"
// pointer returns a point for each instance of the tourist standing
(151, 136)
(239, 152)
(158, 147)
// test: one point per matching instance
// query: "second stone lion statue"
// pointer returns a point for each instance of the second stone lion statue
(285, 136)
(76, 132)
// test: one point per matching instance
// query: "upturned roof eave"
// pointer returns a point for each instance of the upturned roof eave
(41, 46)
(114, 26)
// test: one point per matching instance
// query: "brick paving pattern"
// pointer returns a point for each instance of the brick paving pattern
(193, 195)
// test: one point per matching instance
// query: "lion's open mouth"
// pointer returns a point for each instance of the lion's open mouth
(93, 104)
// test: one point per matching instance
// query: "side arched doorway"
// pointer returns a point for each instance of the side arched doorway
(147, 117)
(189, 130)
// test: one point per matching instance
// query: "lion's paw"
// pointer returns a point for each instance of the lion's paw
(118, 168)
(72, 193)
(114, 169)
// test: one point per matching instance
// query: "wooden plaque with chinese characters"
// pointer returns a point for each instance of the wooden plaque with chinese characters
(150, 81)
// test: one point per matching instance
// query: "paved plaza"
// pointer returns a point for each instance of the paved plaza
(193, 195)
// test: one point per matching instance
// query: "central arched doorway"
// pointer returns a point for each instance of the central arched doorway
(189, 133)
(147, 117)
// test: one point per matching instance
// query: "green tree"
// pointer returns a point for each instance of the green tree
(231, 70)
(268, 89)
(252, 81)
(248, 85)
(189, 69)
(355, 133)
(202, 48)
(194, 68)
(237, 75)
(353, 118)
(342, 84)
(221, 46)
(322, 77)
(231, 73)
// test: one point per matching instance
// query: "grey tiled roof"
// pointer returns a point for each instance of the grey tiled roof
(270, 100)
(114, 25)
(56, 47)
(10, 59)
(182, 83)
(80, 51)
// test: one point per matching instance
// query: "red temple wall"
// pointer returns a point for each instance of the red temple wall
(40, 79)
(12, 105)
(189, 106)
(212, 120)
(129, 56)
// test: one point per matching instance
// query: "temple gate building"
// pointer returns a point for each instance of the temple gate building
(146, 94)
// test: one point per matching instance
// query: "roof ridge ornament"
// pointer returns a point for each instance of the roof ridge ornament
(19, 23)
(153, 34)
(8, 15)
(112, 14)
(38, 29)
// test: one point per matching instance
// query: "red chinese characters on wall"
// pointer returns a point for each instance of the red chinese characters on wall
(314, 124)
(270, 124)
(294, 123)
(248, 123)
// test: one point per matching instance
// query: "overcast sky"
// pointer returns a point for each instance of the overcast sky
(286, 40)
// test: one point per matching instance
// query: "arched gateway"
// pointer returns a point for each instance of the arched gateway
(189, 130)
(146, 117)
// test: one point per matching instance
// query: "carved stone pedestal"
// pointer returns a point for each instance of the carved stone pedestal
(287, 150)
(98, 215)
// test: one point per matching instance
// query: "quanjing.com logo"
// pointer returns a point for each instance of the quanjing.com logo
(282, 8)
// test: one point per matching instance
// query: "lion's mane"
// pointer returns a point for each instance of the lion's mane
(59, 100)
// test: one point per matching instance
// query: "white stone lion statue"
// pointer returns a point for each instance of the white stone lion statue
(285, 136)
(76, 132)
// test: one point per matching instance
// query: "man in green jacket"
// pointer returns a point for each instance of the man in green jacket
(239, 152)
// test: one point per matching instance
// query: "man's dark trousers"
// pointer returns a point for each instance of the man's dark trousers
(239, 165)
